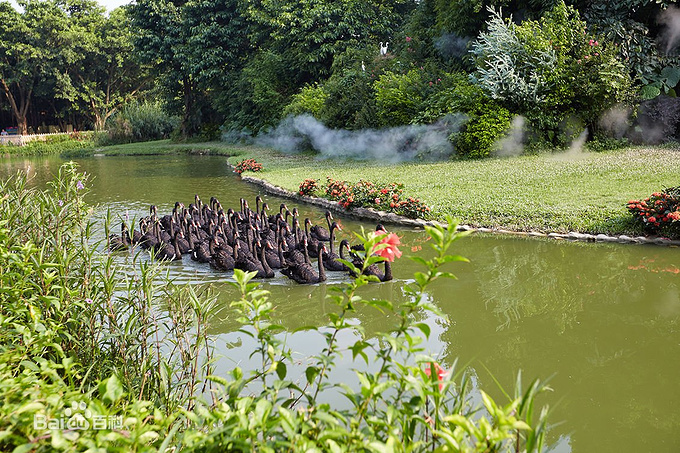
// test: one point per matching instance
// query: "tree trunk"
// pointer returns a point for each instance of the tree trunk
(99, 122)
(19, 111)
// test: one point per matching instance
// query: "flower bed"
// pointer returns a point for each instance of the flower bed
(247, 165)
(660, 212)
(385, 197)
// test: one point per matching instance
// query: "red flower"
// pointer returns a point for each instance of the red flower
(441, 372)
(391, 251)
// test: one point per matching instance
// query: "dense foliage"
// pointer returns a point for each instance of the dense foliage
(66, 62)
(243, 66)
(96, 357)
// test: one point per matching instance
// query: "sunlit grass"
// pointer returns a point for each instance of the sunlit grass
(548, 192)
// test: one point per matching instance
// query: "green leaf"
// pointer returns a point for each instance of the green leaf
(649, 92)
(218, 379)
(111, 389)
(30, 365)
(671, 74)
(311, 373)
(281, 370)
(423, 328)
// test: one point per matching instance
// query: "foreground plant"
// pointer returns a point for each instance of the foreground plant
(94, 356)
(91, 355)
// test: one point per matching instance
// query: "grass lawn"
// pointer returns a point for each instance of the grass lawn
(584, 192)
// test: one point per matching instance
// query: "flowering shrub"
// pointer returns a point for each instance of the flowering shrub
(659, 212)
(308, 187)
(385, 197)
(247, 165)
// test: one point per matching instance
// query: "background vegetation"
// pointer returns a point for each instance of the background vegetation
(239, 67)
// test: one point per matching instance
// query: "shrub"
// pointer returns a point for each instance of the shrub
(350, 102)
(310, 100)
(550, 69)
(487, 124)
(399, 97)
(62, 144)
(454, 93)
(660, 212)
(247, 165)
(140, 122)
(309, 187)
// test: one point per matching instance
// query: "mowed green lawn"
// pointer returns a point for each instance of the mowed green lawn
(584, 192)
(561, 192)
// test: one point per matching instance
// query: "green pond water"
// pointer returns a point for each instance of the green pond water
(600, 320)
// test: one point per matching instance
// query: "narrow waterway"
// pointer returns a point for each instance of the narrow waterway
(600, 320)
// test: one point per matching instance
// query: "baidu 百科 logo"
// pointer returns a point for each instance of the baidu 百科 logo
(77, 417)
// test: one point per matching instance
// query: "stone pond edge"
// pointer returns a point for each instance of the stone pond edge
(392, 218)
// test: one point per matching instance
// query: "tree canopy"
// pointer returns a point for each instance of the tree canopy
(242, 65)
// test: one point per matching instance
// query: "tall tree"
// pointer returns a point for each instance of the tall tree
(161, 40)
(108, 75)
(34, 45)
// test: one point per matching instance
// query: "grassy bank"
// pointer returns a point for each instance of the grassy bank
(551, 192)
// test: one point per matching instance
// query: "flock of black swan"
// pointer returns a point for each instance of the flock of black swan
(245, 239)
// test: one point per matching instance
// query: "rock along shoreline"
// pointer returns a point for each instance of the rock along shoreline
(394, 219)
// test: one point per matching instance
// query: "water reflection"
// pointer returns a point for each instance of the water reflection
(601, 319)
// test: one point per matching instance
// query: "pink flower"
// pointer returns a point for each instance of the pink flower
(408, 39)
(441, 372)
(377, 201)
(391, 251)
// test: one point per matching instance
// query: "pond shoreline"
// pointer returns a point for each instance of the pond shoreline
(394, 219)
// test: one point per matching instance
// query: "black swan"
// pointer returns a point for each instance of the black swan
(320, 233)
(120, 242)
(330, 259)
(304, 273)
(221, 259)
(168, 251)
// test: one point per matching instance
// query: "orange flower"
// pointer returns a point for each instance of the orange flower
(391, 251)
